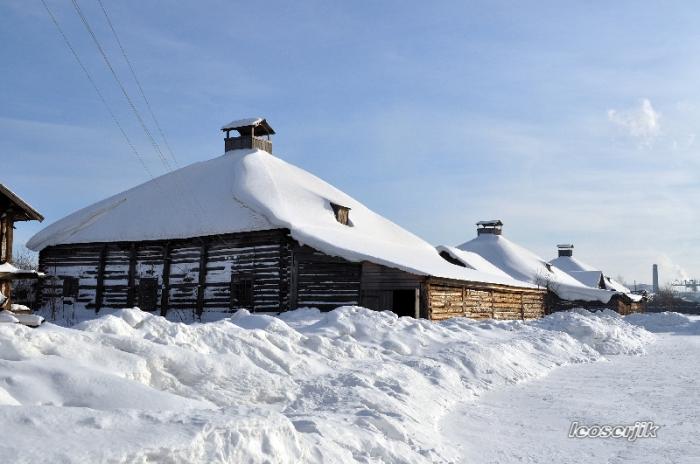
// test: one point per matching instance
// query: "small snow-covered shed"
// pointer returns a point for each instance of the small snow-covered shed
(521, 264)
(249, 230)
(589, 275)
(12, 210)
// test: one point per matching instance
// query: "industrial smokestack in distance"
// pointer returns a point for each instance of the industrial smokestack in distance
(655, 278)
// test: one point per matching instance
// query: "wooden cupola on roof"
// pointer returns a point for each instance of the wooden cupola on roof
(565, 249)
(493, 227)
(250, 133)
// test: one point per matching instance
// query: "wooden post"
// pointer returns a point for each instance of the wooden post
(416, 304)
(201, 287)
(6, 245)
(131, 291)
(99, 291)
(426, 291)
(165, 293)
(9, 232)
(464, 301)
(2, 240)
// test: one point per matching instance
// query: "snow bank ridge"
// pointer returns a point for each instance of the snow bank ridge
(351, 385)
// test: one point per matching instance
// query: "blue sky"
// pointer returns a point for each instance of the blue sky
(570, 121)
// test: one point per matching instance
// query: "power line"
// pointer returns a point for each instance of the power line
(121, 86)
(111, 112)
(198, 209)
(138, 83)
(97, 89)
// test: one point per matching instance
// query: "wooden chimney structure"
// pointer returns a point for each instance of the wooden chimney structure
(565, 249)
(492, 227)
(250, 134)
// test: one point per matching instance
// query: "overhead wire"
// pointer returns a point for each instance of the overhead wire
(97, 89)
(133, 107)
(138, 83)
(101, 97)
(198, 207)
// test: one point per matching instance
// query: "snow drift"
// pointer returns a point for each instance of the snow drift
(351, 385)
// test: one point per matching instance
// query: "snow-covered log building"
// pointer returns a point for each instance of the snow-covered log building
(592, 277)
(249, 230)
(564, 291)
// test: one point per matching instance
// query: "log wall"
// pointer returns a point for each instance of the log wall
(323, 281)
(477, 300)
(260, 271)
(193, 274)
(379, 282)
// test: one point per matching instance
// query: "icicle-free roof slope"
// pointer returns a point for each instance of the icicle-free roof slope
(251, 190)
(522, 264)
(471, 260)
(589, 278)
(571, 264)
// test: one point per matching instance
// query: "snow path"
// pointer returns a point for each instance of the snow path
(529, 422)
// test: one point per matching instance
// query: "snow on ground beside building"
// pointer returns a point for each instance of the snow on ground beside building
(536, 416)
(350, 385)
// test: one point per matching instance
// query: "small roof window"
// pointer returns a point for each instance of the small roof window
(342, 214)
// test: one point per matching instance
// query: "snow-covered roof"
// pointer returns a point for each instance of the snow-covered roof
(576, 267)
(29, 213)
(589, 278)
(471, 260)
(490, 222)
(250, 190)
(571, 264)
(247, 122)
(522, 264)
(10, 272)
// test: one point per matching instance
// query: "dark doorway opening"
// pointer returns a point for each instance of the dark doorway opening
(404, 302)
(242, 292)
(148, 294)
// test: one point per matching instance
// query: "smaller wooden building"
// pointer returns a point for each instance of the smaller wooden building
(12, 210)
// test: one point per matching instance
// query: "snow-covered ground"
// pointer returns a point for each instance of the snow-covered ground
(351, 385)
(529, 422)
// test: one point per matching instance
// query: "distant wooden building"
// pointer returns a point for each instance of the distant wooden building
(565, 290)
(624, 302)
(248, 230)
(12, 209)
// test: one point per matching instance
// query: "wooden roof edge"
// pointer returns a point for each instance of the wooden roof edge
(477, 283)
(31, 213)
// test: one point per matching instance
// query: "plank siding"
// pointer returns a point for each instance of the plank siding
(482, 301)
(177, 265)
(323, 281)
(379, 282)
